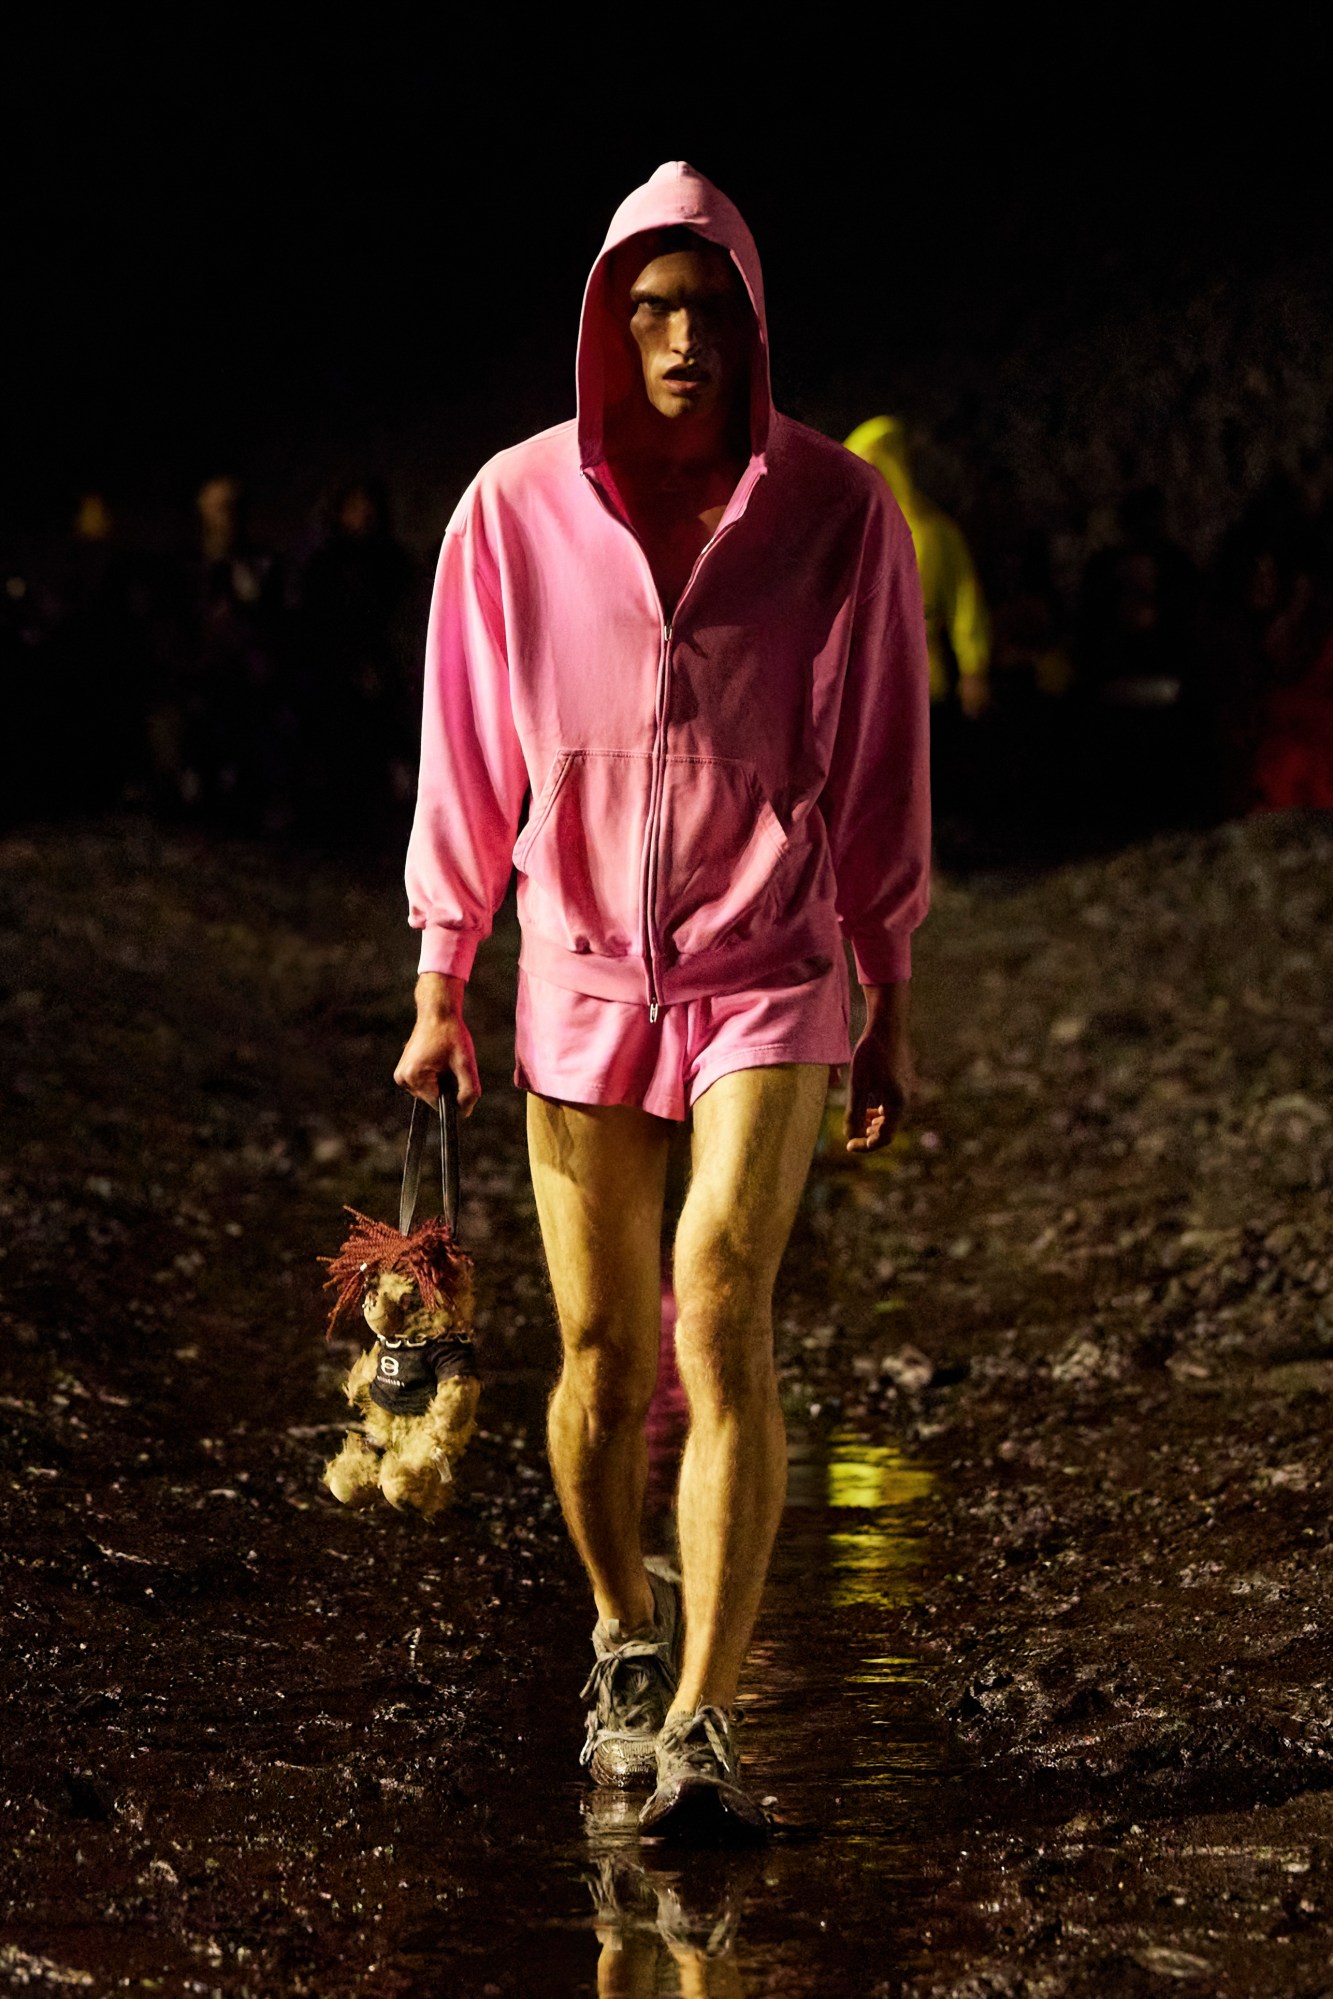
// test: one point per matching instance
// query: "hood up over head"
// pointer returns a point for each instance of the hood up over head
(882, 442)
(676, 197)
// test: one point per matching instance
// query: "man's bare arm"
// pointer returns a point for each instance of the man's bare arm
(882, 1077)
(439, 1041)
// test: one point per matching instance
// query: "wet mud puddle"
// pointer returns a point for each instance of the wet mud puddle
(256, 1745)
(348, 1765)
(305, 1751)
(836, 1736)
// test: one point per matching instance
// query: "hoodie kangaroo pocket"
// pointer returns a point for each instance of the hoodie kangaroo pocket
(581, 853)
(720, 845)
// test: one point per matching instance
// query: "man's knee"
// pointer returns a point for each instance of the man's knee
(724, 1328)
(609, 1379)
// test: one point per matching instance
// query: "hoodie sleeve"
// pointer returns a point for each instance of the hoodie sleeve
(473, 777)
(876, 803)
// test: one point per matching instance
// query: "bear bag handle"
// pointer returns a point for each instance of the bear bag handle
(447, 1106)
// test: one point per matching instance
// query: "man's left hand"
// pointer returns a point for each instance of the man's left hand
(882, 1077)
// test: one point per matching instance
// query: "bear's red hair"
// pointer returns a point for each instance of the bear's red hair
(429, 1256)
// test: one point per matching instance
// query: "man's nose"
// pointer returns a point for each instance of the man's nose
(686, 331)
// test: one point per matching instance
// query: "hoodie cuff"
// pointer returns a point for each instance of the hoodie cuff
(883, 960)
(448, 951)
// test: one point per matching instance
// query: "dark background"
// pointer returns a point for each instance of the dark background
(1092, 1295)
(295, 260)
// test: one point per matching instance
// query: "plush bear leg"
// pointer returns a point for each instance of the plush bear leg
(354, 1475)
(417, 1469)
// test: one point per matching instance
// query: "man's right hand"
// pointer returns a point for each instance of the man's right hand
(439, 1041)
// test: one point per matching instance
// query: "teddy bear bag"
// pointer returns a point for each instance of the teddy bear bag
(415, 1390)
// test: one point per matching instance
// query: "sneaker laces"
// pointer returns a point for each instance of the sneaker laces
(624, 1682)
(701, 1740)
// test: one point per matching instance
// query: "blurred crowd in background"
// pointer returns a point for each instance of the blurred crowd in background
(277, 693)
(231, 684)
(1144, 473)
(1158, 692)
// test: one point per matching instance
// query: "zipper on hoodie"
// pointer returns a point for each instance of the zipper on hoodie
(656, 782)
(655, 786)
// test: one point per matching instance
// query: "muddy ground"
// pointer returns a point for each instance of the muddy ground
(1043, 1687)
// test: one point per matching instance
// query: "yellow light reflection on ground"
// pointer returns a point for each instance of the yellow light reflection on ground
(874, 1563)
(858, 1473)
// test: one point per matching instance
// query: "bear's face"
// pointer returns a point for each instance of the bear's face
(391, 1298)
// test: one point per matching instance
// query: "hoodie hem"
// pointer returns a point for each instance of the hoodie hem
(703, 975)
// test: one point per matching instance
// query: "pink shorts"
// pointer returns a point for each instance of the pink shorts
(581, 1050)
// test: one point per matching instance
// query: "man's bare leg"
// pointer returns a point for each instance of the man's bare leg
(754, 1137)
(599, 1174)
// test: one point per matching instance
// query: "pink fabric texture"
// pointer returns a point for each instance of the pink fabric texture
(716, 796)
(595, 1051)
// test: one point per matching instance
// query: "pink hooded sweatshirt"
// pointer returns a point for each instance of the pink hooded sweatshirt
(718, 796)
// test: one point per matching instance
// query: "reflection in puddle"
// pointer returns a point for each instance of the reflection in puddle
(542, 1884)
(874, 1562)
(669, 1924)
(858, 1473)
(839, 1737)
(872, 1566)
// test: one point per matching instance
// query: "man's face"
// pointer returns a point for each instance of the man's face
(691, 324)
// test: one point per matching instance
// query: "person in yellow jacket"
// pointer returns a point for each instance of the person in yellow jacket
(957, 621)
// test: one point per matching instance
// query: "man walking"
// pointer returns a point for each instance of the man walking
(692, 628)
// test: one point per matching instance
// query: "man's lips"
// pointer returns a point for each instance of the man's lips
(686, 378)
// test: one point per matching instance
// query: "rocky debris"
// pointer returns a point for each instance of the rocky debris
(1090, 1288)
(1103, 1904)
(1124, 1375)
(235, 1701)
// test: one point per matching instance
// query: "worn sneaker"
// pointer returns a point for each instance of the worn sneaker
(699, 1795)
(631, 1687)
